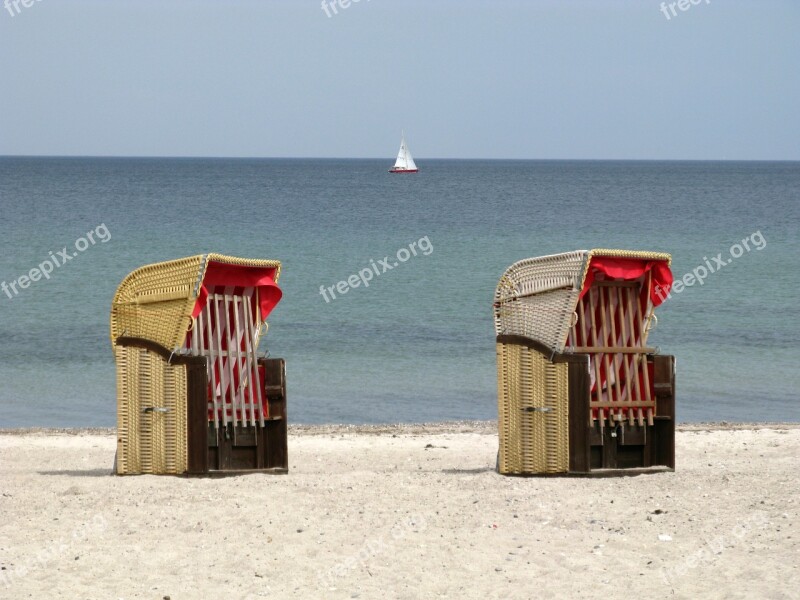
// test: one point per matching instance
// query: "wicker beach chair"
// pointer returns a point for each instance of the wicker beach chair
(579, 390)
(193, 396)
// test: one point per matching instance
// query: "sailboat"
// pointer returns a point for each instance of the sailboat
(404, 163)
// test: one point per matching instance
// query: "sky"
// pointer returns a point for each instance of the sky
(521, 79)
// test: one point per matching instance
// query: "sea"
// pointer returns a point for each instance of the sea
(417, 343)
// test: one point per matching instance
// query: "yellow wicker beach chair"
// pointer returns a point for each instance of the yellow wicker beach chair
(193, 396)
(579, 390)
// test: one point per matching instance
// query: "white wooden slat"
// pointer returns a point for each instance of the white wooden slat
(226, 331)
(250, 358)
(212, 362)
(230, 343)
(242, 365)
(220, 360)
(253, 322)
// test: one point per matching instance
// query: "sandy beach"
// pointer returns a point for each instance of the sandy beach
(401, 512)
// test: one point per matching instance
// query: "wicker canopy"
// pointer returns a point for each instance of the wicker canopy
(537, 297)
(158, 302)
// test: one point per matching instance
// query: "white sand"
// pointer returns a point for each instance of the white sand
(375, 514)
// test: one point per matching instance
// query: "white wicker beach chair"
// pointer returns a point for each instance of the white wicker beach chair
(579, 390)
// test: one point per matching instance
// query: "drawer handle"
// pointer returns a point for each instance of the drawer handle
(151, 409)
(543, 409)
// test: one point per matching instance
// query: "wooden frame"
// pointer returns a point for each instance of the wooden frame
(231, 449)
(618, 449)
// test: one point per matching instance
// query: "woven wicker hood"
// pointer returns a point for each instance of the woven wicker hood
(537, 297)
(156, 302)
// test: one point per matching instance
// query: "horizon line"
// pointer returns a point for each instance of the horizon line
(389, 159)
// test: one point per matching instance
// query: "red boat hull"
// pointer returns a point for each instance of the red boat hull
(403, 170)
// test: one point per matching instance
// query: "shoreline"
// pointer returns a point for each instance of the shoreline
(432, 428)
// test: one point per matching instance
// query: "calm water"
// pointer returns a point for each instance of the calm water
(418, 343)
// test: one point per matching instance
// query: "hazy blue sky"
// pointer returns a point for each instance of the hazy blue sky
(465, 79)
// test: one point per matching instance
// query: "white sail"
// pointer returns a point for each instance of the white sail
(404, 160)
(400, 163)
(410, 164)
